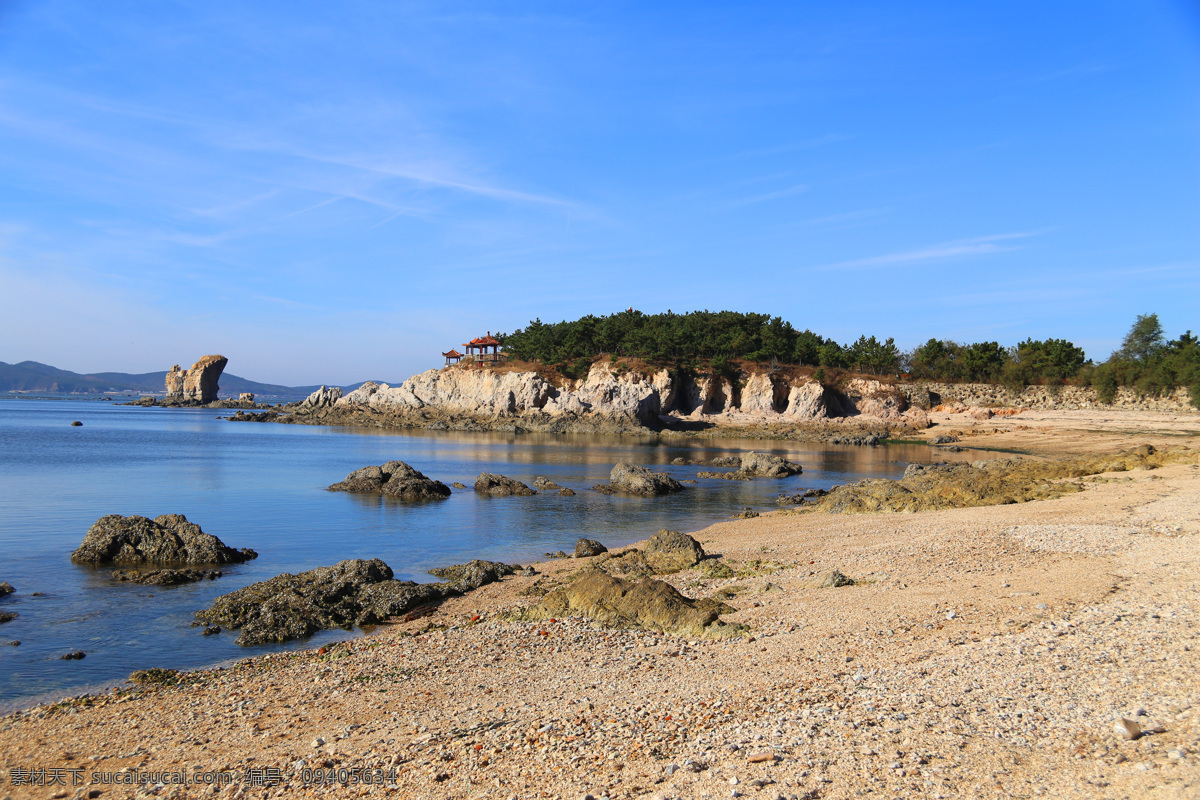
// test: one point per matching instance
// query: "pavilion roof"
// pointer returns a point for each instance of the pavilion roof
(487, 341)
(453, 354)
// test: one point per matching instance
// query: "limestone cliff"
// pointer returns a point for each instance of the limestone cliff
(642, 400)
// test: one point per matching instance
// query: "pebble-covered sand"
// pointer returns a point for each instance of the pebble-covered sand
(982, 652)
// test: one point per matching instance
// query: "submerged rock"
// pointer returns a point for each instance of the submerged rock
(165, 577)
(544, 483)
(648, 603)
(351, 592)
(6, 589)
(736, 475)
(634, 479)
(394, 479)
(8, 616)
(798, 498)
(500, 486)
(167, 539)
(672, 551)
(473, 574)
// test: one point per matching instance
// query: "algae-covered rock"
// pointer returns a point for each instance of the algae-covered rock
(626, 564)
(168, 539)
(351, 592)
(633, 479)
(647, 603)
(394, 479)
(165, 577)
(991, 482)
(672, 551)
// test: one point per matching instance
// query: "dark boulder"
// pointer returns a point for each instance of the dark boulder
(767, 465)
(168, 539)
(672, 551)
(8, 616)
(351, 592)
(586, 548)
(394, 479)
(6, 589)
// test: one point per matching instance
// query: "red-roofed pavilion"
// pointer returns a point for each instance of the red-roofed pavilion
(453, 357)
(478, 349)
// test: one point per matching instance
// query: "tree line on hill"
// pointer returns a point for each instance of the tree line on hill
(1147, 360)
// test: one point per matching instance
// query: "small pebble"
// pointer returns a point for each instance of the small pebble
(1127, 728)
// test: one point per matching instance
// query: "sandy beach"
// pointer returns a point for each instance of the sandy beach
(982, 652)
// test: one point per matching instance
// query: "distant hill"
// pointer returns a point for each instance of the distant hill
(31, 376)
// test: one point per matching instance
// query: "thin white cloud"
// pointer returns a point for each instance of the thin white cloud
(959, 248)
(799, 188)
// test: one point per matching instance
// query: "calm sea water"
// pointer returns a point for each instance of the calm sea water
(263, 486)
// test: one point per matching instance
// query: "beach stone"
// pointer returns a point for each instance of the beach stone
(167, 539)
(648, 603)
(1127, 728)
(500, 486)
(473, 574)
(832, 580)
(394, 479)
(585, 548)
(6, 589)
(672, 551)
(635, 479)
(351, 592)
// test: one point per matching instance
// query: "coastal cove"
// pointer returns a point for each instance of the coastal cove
(263, 487)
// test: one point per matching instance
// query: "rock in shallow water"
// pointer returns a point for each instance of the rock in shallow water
(168, 539)
(165, 577)
(6, 588)
(634, 479)
(586, 548)
(394, 479)
(473, 574)
(501, 486)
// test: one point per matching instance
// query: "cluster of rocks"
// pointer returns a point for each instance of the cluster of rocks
(753, 465)
(168, 539)
(7, 616)
(351, 592)
(394, 479)
(798, 498)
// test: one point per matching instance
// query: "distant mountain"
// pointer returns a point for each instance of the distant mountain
(30, 376)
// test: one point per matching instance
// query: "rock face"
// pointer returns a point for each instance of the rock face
(394, 479)
(174, 383)
(672, 551)
(648, 603)
(633, 479)
(470, 576)
(351, 592)
(325, 397)
(500, 486)
(168, 539)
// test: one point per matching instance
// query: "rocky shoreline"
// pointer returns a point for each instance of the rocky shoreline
(983, 651)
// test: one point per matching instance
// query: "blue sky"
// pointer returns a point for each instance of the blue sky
(330, 192)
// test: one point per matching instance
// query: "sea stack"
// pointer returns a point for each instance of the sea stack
(198, 383)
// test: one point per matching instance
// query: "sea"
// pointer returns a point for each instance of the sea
(264, 486)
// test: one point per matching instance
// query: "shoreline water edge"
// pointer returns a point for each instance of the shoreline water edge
(813, 686)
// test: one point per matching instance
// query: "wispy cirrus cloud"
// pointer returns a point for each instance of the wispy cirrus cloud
(945, 251)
